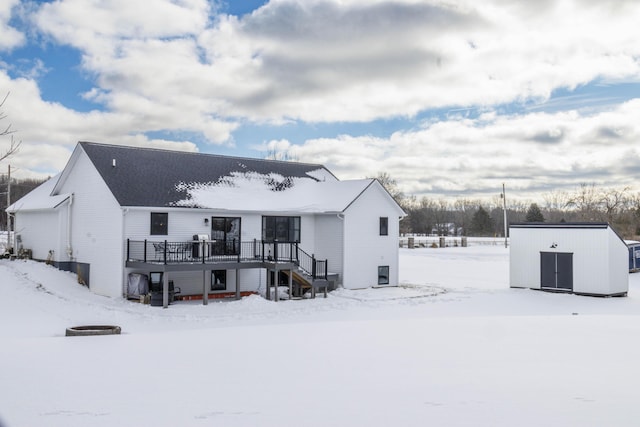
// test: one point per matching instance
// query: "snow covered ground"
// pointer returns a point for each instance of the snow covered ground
(453, 346)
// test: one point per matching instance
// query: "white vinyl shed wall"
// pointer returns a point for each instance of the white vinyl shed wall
(600, 256)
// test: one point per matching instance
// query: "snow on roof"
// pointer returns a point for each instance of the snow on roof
(39, 198)
(273, 193)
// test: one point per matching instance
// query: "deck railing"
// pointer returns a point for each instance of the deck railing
(214, 251)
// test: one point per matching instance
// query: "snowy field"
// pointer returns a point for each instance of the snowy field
(453, 346)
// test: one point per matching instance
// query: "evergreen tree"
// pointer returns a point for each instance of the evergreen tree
(481, 223)
(534, 214)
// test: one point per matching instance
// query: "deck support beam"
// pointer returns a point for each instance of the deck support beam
(237, 284)
(165, 290)
(268, 293)
(205, 292)
(276, 279)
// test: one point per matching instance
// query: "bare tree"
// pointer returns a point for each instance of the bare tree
(585, 201)
(391, 185)
(13, 145)
(613, 201)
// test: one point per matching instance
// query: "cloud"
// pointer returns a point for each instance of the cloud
(361, 62)
(10, 37)
(49, 131)
(473, 157)
(330, 60)
(179, 67)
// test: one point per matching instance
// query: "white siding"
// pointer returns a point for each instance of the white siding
(618, 264)
(364, 248)
(599, 263)
(43, 231)
(329, 241)
(97, 227)
(182, 225)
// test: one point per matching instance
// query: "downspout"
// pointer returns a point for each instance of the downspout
(344, 252)
(125, 284)
(69, 246)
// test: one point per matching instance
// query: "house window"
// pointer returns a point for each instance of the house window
(159, 223)
(219, 280)
(225, 232)
(281, 228)
(384, 226)
(383, 275)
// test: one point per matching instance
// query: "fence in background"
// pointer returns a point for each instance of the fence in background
(423, 241)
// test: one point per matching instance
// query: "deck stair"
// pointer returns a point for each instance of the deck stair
(304, 282)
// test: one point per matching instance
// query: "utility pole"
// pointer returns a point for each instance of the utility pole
(503, 196)
(9, 245)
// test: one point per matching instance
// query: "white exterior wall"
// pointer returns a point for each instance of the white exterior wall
(364, 248)
(618, 265)
(596, 269)
(329, 242)
(96, 228)
(43, 231)
(184, 223)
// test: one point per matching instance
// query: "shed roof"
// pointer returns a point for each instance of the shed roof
(567, 225)
(559, 225)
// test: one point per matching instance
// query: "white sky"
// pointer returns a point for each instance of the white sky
(450, 98)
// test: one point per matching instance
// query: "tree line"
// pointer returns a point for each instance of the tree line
(620, 207)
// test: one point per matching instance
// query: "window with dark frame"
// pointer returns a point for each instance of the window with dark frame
(383, 275)
(384, 226)
(225, 231)
(159, 223)
(219, 280)
(281, 228)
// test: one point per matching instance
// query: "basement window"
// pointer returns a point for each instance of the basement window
(383, 275)
(219, 280)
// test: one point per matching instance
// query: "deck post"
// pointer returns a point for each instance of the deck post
(313, 266)
(165, 252)
(165, 290)
(268, 284)
(290, 282)
(237, 284)
(205, 293)
(276, 276)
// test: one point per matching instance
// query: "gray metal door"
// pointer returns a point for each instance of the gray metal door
(556, 270)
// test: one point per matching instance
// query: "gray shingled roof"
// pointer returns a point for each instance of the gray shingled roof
(148, 177)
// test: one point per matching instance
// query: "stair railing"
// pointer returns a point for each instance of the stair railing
(316, 268)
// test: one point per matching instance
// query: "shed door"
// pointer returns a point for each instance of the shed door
(556, 270)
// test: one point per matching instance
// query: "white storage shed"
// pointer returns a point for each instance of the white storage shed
(580, 258)
(634, 255)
